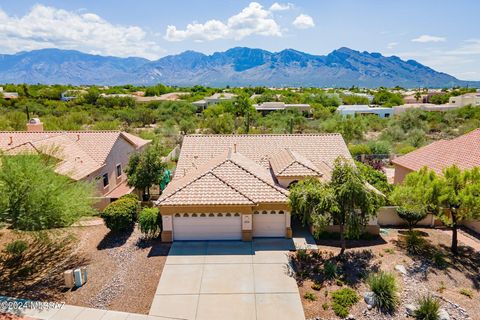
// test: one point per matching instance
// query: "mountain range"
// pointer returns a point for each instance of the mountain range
(235, 67)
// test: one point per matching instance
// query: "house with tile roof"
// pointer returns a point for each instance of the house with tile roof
(97, 156)
(235, 187)
(463, 151)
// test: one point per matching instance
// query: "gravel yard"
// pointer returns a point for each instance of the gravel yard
(123, 271)
(422, 276)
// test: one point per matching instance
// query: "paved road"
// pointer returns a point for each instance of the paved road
(228, 280)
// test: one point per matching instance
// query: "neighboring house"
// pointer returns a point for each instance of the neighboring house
(425, 107)
(472, 99)
(8, 95)
(463, 151)
(235, 187)
(268, 107)
(98, 156)
(70, 95)
(214, 99)
(353, 110)
(359, 94)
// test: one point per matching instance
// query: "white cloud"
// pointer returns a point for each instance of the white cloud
(392, 45)
(303, 21)
(281, 6)
(428, 38)
(252, 20)
(47, 27)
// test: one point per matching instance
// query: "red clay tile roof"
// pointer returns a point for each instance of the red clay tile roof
(288, 163)
(81, 152)
(320, 149)
(237, 169)
(230, 178)
(463, 151)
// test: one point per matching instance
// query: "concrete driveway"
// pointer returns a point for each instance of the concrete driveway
(228, 280)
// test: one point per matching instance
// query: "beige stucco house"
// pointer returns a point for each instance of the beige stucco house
(97, 156)
(235, 187)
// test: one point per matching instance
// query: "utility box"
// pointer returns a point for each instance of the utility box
(76, 277)
(68, 277)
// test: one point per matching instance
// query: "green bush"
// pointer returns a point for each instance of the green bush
(329, 270)
(415, 242)
(16, 248)
(439, 260)
(428, 308)
(343, 299)
(412, 217)
(359, 149)
(310, 296)
(149, 222)
(384, 286)
(121, 214)
(317, 286)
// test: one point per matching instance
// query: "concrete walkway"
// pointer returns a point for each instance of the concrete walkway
(66, 312)
(228, 280)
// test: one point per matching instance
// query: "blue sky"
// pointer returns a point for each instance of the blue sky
(442, 34)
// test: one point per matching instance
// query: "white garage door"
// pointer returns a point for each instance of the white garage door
(226, 226)
(269, 224)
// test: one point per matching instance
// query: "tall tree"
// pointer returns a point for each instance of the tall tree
(453, 196)
(145, 169)
(347, 201)
(459, 198)
(34, 197)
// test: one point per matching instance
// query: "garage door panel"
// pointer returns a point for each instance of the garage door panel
(207, 228)
(269, 224)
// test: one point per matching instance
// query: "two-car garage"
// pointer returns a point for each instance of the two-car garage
(226, 226)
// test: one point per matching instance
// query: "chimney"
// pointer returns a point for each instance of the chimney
(234, 148)
(78, 136)
(34, 125)
(11, 141)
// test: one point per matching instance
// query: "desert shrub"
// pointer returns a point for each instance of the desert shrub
(384, 287)
(415, 242)
(16, 248)
(316, 286)
(412, 217)
(121, 214)
(359, 149)
(131, 196)
(428, 308)
(149, 222)
(342, 300)
(467, 293)
(329, 270)
(310, 296)
(302, 255)
(439, 260)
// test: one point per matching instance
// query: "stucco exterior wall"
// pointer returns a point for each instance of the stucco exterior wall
(387, 216)
(400, 173)
(472, 225)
